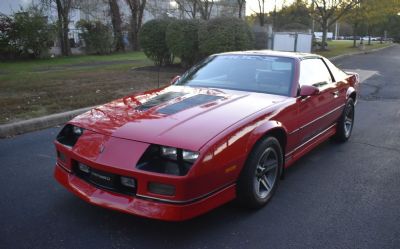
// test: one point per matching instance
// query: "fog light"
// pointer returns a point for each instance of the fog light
(84, 168)
(161, 189)
(128, 182)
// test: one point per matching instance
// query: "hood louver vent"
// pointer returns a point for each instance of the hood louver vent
(158, 100)
(188, 103)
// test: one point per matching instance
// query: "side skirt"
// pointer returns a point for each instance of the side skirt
(310, 144)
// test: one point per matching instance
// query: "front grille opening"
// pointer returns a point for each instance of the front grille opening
(101, 179)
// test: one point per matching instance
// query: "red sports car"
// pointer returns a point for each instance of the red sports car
(226, 129)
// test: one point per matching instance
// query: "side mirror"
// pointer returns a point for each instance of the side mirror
(306, 91)
(174, 80)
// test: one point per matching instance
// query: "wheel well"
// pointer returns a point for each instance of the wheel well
(279, 134)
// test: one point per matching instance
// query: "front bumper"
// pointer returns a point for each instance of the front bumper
(142, 206)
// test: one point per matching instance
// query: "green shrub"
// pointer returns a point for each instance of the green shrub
(26, 33)
(153, 42)
(97, 37)
(224, 34)
(6, 50)
(182, 40)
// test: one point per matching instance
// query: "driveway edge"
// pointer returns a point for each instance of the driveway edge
(9, 130)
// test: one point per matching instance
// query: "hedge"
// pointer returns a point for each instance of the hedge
(224, 34)
(153, 42)
(182, 40)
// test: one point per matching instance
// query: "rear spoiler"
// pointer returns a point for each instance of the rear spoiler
(354, 74)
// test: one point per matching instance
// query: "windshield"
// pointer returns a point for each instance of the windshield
(254, 73)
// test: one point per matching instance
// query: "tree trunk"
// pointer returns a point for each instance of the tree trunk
(324, 26)
(240, 5)
(135, 33)
(116, 23)
(137, 9)
(67, 47)
(63, 21)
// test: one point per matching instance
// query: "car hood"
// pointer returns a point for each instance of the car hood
(176, 116)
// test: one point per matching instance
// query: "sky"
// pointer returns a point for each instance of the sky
(6, 6)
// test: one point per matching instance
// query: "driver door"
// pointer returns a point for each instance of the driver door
(315, 112)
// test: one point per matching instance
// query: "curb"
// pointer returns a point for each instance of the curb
(334, 58)
(9, 130)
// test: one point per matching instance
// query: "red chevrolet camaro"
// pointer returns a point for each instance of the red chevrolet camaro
(225, 130)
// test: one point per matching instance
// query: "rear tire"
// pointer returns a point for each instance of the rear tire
(260, 175)
(345, 122)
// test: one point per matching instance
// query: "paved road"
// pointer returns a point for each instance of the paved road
(339, 196)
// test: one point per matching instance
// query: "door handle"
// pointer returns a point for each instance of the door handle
(335, 94)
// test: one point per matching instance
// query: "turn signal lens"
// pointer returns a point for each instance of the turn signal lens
(161, 188)
(128, 182)
(190, 156)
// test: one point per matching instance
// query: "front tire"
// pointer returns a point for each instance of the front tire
(345, 122)
(260, 175)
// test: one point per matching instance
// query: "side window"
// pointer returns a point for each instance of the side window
(338, 74)
(314, 72)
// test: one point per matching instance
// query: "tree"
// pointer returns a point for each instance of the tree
(63, 8)
(376, 12)
(192, 7)
(137, 8)
(205, 8)
(327, 12)
(355, 18)
(188, 7)
(26, 33)
(371, 15)
(261, 12)
(294, 16)
(241, 4)
(6, 25)
(117, 25)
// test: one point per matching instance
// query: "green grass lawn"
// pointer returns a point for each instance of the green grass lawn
(344, 47)
(35, 88)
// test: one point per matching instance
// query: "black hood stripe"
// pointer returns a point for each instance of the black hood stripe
(158, 100)
(188, 103)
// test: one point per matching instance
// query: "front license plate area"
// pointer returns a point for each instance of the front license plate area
(102, 179)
